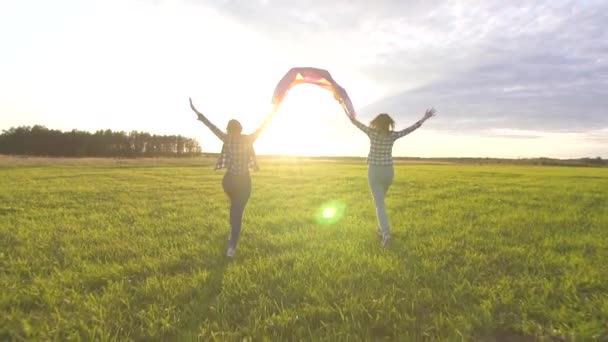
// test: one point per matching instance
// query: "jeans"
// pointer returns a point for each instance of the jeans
(238, 189)
(380, 178)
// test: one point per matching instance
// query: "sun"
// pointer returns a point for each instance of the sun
(296, 127)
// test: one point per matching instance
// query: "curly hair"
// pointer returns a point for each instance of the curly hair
(383, 122)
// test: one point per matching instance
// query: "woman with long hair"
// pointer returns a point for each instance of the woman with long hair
(237, 157)
(380, 172)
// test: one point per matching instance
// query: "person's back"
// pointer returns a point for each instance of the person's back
(382, 138)
(381, 147)
(237, 157)
(380, 160)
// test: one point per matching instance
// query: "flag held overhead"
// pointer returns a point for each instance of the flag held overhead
(314, 76)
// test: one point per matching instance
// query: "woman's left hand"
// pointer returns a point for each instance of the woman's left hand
(199, 114)
(429, 113)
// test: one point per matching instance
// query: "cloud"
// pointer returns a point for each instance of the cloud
(549, 74)
(485, 64)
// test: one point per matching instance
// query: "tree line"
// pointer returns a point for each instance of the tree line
(41, 141)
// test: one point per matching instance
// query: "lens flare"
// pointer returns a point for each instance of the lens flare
(331, 212)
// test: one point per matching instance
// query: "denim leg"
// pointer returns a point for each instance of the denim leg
(238, 189)
(380, 179)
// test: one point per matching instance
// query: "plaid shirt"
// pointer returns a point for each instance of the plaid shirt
(237, 154)
(381, 143)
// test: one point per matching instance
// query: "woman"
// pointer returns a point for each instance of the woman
(380, 171)
(237, 157)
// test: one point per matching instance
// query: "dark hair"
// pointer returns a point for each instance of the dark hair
(383, 122)
(234, 127)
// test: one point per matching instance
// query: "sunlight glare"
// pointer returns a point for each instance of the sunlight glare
(305, 123)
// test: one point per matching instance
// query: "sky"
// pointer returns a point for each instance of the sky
(511, 79)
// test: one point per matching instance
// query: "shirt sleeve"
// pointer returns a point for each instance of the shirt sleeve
(218, 132)
(258, 131)
(361, 126)
(402, 133)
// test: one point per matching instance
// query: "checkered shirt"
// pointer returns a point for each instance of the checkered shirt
(238, 155)
(381, 143)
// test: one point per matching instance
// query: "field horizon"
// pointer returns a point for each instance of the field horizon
(210, 157)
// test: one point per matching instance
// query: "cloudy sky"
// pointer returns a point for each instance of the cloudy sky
(509, 79)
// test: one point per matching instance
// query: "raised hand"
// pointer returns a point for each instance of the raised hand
(429, 113)
(199, 114)
(192, 105)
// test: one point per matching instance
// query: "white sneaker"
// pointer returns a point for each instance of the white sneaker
(231, 251)
(386, 238)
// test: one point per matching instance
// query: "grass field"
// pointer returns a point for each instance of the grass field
(118, 250)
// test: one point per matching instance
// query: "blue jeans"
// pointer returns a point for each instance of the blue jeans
(238, 189)
(380, 178)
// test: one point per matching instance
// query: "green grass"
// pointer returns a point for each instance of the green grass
(118, 250)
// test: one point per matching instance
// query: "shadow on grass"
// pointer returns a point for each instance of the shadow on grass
(204, 302)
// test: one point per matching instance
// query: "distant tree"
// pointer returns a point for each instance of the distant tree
(41, 141)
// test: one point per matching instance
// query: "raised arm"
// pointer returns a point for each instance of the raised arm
(258, 131)
(427, 115)
(360, 125)
(218, 132)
